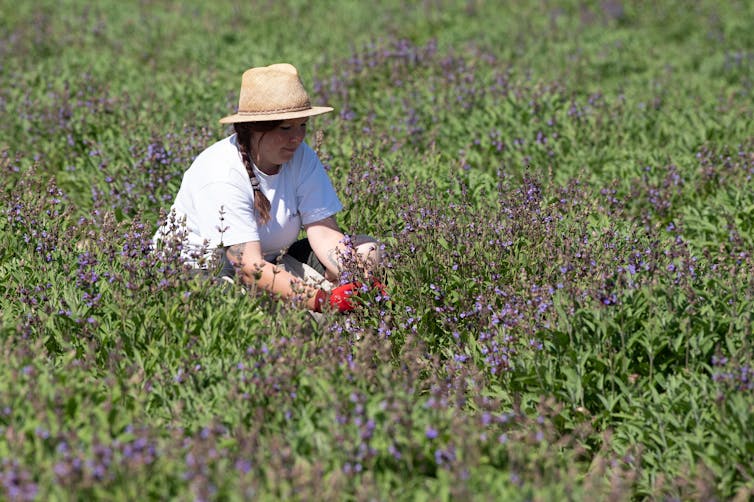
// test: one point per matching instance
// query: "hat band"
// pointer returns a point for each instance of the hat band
(279, 110)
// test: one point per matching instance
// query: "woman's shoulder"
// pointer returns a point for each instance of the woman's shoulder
(221, 153)
(223, 148)
(219, 162)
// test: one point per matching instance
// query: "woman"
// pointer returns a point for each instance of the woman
(250, 194)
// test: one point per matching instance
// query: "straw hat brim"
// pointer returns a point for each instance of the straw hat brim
(266, 117)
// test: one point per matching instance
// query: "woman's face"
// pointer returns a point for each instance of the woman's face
(275, 147)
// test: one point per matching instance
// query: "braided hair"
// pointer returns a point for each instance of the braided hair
(244, 131)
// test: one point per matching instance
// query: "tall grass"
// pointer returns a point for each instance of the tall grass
(564, 191)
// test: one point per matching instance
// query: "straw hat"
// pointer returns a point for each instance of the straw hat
(273, 92)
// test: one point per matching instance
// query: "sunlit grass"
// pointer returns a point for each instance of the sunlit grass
(564, 191)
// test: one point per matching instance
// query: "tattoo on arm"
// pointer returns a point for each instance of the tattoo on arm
(332, 257)
(234, 253)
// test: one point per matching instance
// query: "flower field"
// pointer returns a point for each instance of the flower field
(564, 194)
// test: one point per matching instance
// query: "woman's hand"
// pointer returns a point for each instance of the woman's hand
(345, 298)
(340, 297)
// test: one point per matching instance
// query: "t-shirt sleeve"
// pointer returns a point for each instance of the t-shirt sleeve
(316, 196)
(225, 214)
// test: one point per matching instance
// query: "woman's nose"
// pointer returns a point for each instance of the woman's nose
(297, 134)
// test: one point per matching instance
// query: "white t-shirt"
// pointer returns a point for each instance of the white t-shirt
(301, 193)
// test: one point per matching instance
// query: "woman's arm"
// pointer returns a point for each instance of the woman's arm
(252, 268)
(326, 241)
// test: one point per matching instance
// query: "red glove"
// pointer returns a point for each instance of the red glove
(376, 284)
(340, 297)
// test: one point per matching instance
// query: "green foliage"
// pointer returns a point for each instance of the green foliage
(564, 192)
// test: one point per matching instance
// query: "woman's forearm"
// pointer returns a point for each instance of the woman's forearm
(326, 241)
(267, 276)
(279, 282)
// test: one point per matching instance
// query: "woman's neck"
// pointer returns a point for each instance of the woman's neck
(269, 170)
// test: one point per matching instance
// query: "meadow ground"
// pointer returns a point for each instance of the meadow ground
(564, 192)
